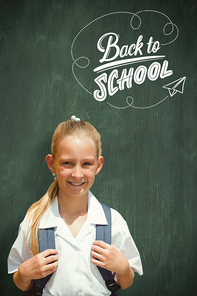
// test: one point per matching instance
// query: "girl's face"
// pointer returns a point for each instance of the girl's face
(76, 165)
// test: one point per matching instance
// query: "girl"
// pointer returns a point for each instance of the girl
(72, 209)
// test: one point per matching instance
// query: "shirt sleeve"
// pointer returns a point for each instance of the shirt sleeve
(18, 253)
(122, 239)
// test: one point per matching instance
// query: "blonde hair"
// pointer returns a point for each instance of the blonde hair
(37, 210)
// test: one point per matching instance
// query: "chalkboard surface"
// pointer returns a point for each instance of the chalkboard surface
(56, 60)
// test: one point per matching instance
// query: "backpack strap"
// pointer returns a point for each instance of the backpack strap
(46, 241)
(103, 233)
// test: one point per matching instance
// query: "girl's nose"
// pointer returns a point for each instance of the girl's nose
(77, 172)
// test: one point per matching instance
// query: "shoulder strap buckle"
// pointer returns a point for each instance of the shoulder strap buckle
(112, 286)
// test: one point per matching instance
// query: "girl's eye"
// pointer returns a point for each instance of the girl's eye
(87, 163)
(68, 163)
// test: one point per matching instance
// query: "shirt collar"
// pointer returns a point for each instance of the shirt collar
(96, 214)
(51, 216)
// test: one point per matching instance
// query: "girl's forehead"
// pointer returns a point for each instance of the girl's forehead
(76, 141)
(83, 138)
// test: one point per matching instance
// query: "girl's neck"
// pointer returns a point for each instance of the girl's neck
(72, 205)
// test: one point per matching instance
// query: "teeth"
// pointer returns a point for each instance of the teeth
(76, 183)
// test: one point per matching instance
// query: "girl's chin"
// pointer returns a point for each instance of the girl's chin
(75, 192)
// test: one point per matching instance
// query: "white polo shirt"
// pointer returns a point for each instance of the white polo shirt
(76, 275)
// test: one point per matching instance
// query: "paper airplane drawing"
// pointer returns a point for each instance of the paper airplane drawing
(176, 86)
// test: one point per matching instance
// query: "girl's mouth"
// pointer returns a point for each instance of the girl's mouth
(76, 184)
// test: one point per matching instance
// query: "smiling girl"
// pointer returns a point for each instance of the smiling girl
(73, 211)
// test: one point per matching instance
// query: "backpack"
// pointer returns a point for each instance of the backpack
(46, 240)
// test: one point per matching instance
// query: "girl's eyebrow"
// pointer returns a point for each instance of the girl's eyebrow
(92, 158)
(73, 159)
(66, 160)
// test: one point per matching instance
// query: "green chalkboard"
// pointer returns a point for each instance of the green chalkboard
(129, 68)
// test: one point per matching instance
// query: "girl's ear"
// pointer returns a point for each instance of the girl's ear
(99, 165)
(50, 163)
